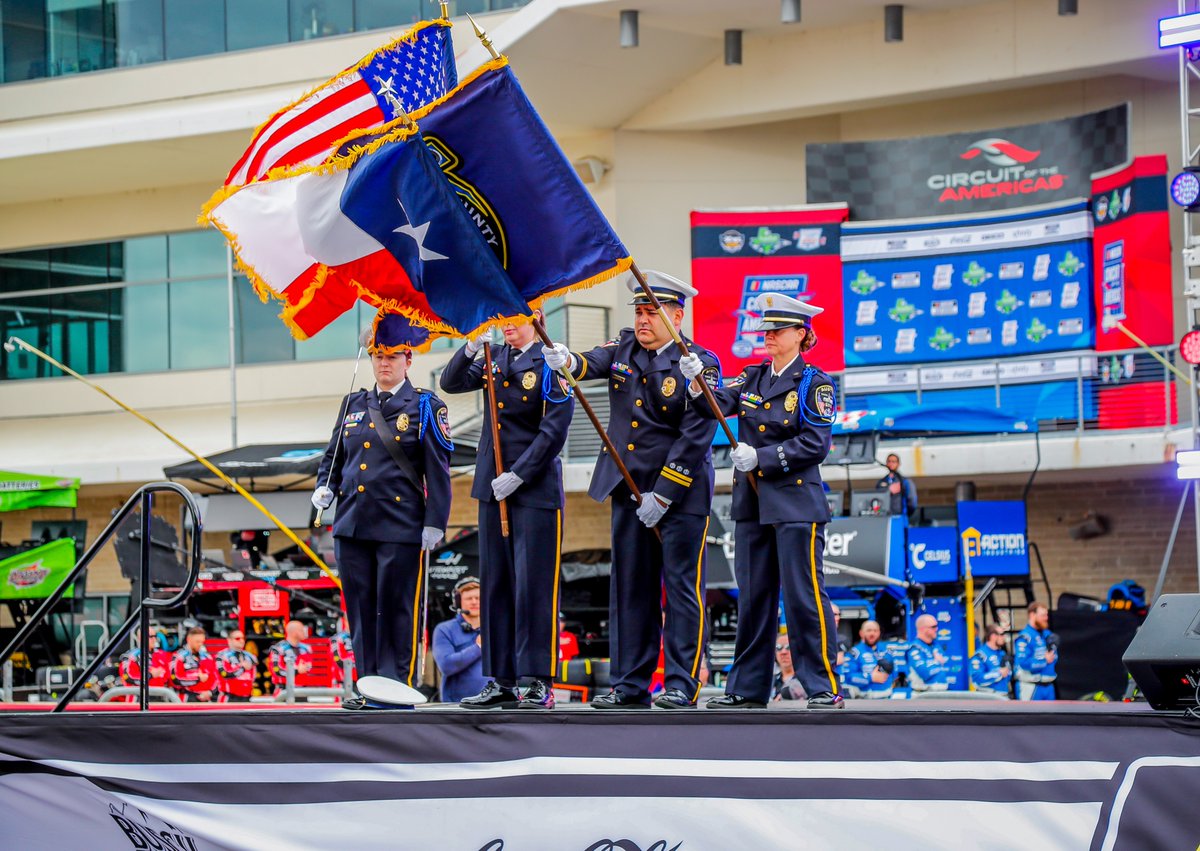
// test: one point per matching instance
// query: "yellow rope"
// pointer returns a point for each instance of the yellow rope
(1182, 376)
(208, 464)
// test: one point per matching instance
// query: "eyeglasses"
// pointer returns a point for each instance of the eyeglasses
(781, 647)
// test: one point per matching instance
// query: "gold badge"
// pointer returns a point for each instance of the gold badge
(789, 404)
(528, 380)
(402, 422)
(668, 387)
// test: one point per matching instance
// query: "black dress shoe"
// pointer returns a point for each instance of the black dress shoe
(618, 700)
(356, 702)
(493, 696)
(826, 700)
(733, 701)
(673, 698)
(540, 695)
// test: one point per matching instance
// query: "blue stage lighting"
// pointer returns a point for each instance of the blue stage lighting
(1178, 31)
(1185, 188)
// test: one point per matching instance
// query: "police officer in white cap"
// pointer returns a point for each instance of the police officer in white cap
(785, 411)
(667, 448)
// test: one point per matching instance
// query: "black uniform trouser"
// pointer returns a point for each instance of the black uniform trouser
(642, 568)
(519, 579)
(382, 583)
(766, 557)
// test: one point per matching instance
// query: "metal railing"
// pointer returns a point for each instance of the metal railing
(143, 499)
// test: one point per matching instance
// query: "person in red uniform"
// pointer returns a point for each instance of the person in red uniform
(130, 666)
(194, 670)
(236, 667)
(292, 646)
(568, 644)
(343, 652)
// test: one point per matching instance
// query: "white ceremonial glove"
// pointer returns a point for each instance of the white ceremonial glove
(557, 356)
(652, 509)
(322, 497)
(430, 537)
(744, 457)
(691, 366)
(504, 485)
(476, 343)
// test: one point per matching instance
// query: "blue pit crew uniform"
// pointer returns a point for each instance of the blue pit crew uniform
(380, 516)
(861, 662)
(780, 530)
(987, 670)
(519, 575)
(925, 671)
(1035, 676)
(667, 449)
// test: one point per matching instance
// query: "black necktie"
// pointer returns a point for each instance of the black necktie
(384, 395)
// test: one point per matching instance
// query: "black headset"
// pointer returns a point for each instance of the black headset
(459, 587)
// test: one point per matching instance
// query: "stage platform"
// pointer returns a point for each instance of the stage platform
(888, 774)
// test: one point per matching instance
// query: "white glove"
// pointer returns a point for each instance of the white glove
(430, 537)
(744, 457)
(322, 497)
(652, 509)
(557, 356)
(691, 366)
(504, 485)
(476, 343)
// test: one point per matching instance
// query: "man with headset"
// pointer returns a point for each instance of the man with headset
(457, 645)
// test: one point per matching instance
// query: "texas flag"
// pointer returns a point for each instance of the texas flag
(379, 224)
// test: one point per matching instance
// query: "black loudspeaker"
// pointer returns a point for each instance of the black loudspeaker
(1164, 656)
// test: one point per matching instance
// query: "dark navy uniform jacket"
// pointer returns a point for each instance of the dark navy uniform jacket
(788, 421)
(652, 422)
(376, 501)
(532, 428)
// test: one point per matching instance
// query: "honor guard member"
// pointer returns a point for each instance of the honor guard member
(989, 666)
(667, 449)
(1035, 653)
(785, 411)
(236, 667)
(519, 573)
(869, 669)
(388, 463)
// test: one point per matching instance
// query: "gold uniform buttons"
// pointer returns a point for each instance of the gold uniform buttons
(760, 474)
(362, 466)
(370, 425)
(616, 386)
(630, 447)
(397, 499)
(506, 384)
(637, 402)
(634, 424)
(767, 405)
(397, 438)
(799, 481)
(643, 381)
(361, 488)
(524, 398)
(499, 404)
(366, 444)
(762, 428)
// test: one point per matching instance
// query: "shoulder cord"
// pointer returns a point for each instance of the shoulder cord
(426, 414)
(810, 416)
(548, 386)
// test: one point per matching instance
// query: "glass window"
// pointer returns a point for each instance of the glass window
(23, 29)
(24, 270)
(144, 259)
(381, 14)
(197, 253)
(194, 27)
(199, 324)
(255, 23)
(145, 338)
(262, 337)
(319, 18)
(138, 31)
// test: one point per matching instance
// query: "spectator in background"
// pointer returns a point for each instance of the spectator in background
(1036, 655)
(130, 666)
(343, 652)
(786, 685)
(236, 669)
(194, 670)
(568, 644)
(869, 668)
(902, 491)
(989, 666)
(458, 647)
(926, 663)
(291, 647)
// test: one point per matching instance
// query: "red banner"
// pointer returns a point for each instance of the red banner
(736, 255)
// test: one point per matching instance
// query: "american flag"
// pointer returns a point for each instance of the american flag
(406, 74)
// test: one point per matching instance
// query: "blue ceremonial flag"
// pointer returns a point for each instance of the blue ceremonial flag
(518, 187)
(396, 195)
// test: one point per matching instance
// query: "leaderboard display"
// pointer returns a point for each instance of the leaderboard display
(990, 286)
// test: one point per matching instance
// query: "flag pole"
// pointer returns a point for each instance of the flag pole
(683, 350)
(490, 383)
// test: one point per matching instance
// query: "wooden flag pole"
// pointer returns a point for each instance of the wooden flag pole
(683, 349)
(490, 383)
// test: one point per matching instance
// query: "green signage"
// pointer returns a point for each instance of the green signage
(25, 490)
(35, 574)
